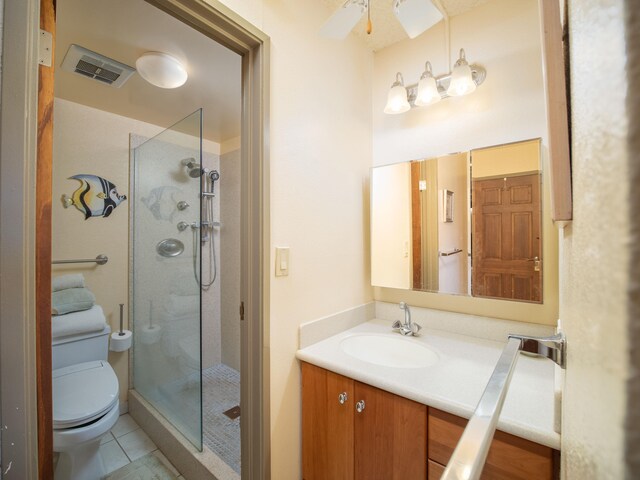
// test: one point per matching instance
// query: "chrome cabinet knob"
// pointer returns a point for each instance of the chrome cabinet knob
(360, 406)
(342, 398)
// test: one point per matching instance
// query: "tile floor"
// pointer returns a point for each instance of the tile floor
(126, 443)
(221, 391)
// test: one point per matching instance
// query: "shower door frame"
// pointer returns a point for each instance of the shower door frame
(221, 24)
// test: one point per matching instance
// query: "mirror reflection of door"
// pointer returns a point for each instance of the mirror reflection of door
(491, 250)
(507, 247)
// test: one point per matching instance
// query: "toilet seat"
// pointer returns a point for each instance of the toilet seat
(83, 393)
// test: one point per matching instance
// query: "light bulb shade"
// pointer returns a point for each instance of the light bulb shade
(428, 93)
(461, 82)
(397, 100)
(161, 70)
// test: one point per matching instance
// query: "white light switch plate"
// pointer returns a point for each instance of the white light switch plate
(282, 261)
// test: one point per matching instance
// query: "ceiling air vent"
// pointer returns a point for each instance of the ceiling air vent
(93, 65)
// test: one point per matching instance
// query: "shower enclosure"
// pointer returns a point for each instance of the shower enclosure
(181, 366)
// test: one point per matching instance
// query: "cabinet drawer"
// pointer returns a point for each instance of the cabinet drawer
(510, 457)
(435, 470)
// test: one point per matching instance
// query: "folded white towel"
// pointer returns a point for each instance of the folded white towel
(74, 280)
(86, 321)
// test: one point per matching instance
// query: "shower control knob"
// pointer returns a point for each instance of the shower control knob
(182, 205)
(182, 226)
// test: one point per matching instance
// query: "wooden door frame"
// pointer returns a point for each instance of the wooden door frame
(25, 256)
(18, 242)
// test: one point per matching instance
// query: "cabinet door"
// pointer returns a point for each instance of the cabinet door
(509, 458)
(327, 425)
(390, 436)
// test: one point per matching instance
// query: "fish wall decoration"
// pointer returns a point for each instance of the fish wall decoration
(96, 196)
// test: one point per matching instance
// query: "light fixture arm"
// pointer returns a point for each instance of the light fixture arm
(427, 71)
(478, 74)
(462, 59)
(399, 80)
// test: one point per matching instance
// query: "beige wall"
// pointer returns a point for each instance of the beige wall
(320, 154)
(229, 189)
(81, 145)
(595, 247)
(504, 37)
(505, 160)
(452, 270)
(391, 241)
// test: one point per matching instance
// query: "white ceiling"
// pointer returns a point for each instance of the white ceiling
(125, 29)
(386, 28)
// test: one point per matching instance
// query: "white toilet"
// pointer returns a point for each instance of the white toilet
(85, 403)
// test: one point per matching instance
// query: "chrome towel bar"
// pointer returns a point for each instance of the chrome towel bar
(100, 260)
(452, 252)
(469, 457)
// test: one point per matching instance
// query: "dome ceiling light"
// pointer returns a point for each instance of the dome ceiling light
(162, 70)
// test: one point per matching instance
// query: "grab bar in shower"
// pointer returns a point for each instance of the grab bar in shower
(452, 252)
(100, 260)
(470, 454)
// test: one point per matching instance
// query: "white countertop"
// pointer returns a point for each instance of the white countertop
(456, 382)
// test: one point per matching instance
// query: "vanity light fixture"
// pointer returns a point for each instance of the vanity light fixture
(161, 69)
(397, 101)
(461, 78)
(427, 88)
(431, 89)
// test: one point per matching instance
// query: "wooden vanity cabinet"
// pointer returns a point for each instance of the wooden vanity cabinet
(390, 436)
(509, 458)
(327, 425)
(386, 440)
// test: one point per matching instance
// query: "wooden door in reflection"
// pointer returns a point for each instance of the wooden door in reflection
(507, 249)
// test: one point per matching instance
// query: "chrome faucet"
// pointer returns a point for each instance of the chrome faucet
(408, 328)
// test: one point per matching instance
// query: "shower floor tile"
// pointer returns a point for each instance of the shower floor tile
(221, 392)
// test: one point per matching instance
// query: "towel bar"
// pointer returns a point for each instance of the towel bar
(100, 260)
(469, 456)
(452, 252)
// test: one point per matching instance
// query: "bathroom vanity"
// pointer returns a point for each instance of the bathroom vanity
(366, 417)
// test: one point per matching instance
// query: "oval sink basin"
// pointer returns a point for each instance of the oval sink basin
(389, 351)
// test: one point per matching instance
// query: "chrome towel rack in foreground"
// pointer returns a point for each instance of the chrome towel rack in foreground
(100, 260)
(469, 457)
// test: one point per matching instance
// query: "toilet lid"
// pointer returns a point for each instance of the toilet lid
(82, 393)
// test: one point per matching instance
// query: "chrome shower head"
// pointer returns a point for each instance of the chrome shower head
(193, 168)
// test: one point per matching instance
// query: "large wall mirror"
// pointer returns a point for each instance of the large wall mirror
(468, 223)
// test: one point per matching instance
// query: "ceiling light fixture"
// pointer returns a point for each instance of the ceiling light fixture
(415, 16)
(161, 69)
(397, 99)
(430, 89)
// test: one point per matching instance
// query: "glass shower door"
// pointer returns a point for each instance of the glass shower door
(165, 274)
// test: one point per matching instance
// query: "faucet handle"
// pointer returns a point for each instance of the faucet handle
(396, 325)
(415, 328)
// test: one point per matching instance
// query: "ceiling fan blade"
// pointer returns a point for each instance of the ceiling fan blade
(344, 19)
(416, 16)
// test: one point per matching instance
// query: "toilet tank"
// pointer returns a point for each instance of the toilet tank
(80, 348)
